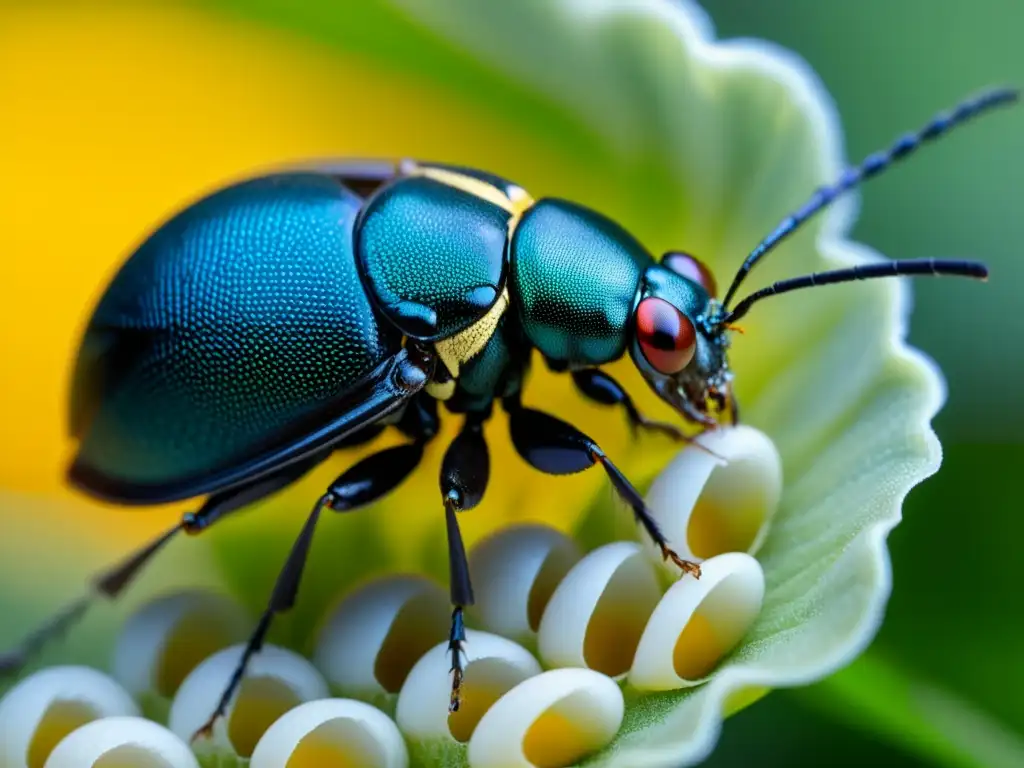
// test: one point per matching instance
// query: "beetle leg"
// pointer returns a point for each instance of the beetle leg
(363, 483)
(464, 474)
(107, 584)
(557, 448)
(112, 582)
(281, 599)
(599, 387)
(461, 596)
(596, 385)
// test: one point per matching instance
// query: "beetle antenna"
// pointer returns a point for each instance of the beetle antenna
(973, 269)
(872, 166)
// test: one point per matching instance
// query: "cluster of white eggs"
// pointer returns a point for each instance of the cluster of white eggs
(558, 634)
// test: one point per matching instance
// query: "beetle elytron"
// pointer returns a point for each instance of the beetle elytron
(284, 317)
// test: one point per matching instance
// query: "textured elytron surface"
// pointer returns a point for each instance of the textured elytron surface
(238, 319)
(575, 276)
(433, 255)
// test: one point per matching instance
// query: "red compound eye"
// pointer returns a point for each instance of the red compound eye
(666, 336)
(689, 267)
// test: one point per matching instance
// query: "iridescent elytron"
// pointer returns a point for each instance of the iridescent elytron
(285, 317)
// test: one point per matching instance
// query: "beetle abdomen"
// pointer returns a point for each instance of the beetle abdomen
(433, 256)
(230, 329)
(575, 275)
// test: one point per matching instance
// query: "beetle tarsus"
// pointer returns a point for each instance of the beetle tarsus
(674, 433)
(686, 566)
(206, 731)
(455, 641)
(455, 701)
(112, 582)
(11, 663)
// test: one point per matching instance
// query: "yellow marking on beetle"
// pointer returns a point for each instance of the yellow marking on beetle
(468, 184)
(515, 202)
(457, 350)
(521, 202)
(520, 198)
(441, 390)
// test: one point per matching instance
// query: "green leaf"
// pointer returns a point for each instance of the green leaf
(876, 695)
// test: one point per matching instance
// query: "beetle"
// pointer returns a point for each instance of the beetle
(287, 316)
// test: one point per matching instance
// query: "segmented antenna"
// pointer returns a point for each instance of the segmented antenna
(872, 166)
(860, 272)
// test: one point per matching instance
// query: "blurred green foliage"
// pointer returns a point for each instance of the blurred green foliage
(952, 620)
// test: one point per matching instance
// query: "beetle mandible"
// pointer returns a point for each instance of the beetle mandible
(284, 317)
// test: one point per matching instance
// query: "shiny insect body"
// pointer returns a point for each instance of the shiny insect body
(287, 316)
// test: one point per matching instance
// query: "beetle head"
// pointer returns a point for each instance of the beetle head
(679, 330)
(681, 354)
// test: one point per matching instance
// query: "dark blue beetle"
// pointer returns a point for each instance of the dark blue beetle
(284, 317)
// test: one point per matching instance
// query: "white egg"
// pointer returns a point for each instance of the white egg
(332, 732)
(493, 665)
(371, 640)
(554, 719)
(515, 572)
(165, 639)
(598, 612)
(697, 623)
(122, 742)
(706, 505)
(276, 681)
(45, 707)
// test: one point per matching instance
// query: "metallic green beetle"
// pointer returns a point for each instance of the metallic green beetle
(282, 318)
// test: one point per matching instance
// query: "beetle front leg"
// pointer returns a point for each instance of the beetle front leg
(464, 474)
(598, 386)
(557, 448)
